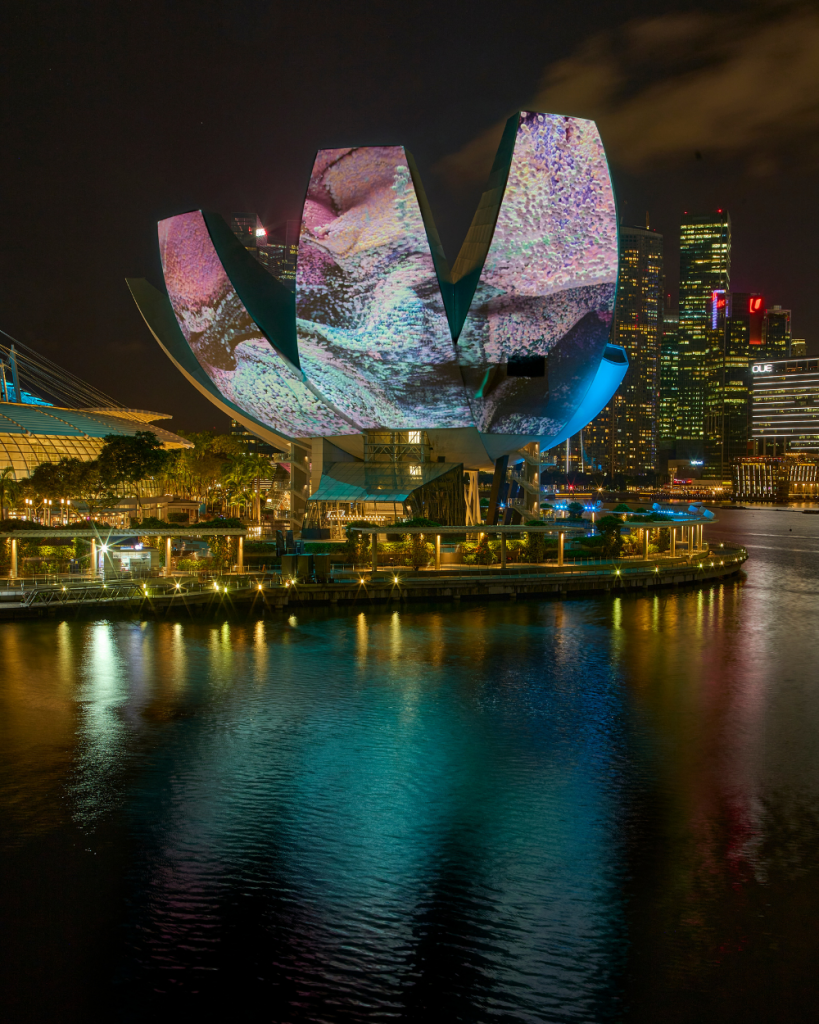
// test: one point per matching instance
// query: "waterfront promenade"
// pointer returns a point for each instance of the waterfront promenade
(263, 592)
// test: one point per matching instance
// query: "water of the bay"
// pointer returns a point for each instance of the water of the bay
(600, 809)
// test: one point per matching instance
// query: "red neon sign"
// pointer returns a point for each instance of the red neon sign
(755, 304)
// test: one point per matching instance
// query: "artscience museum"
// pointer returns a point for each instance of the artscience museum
(387, 356)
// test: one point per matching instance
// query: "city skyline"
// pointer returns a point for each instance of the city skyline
(114, 153)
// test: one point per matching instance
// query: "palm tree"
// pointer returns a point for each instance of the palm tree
(260, 468)
(9, 489)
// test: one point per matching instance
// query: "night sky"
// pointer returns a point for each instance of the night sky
(116, 115)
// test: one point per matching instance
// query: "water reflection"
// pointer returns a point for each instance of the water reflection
(562, 810)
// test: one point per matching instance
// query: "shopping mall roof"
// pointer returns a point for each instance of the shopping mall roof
(25, 419)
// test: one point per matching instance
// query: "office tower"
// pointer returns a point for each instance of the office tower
(799, 348)
(727, 386)
(248, 229)
(776, 333)
(277, 257)
(785, 406)
(669, 374)
(705, 268)
(623, 437)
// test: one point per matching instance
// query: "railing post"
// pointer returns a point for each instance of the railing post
(14, 558)
(672, 541)
(94, 564)
(645, 542)
(503, 550)
(560, 537)
(374, 543)
(167, 556)
(240, 553)
(437, 551)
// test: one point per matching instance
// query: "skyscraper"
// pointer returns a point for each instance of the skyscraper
(248, 229)
(277, 257)
(727, 388)
(623, 438)
(705, 268)
(669, 379)
(776, 333)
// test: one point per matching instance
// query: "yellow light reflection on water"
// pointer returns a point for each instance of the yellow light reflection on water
(361, 638)
(396, 640)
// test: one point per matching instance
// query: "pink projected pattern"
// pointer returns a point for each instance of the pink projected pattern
(373, 333)
(552, 262)
(231, 349)
(375, 346)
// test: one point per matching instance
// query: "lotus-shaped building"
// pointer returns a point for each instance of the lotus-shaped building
(508, 345)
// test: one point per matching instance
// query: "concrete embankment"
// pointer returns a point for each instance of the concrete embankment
(262, 594)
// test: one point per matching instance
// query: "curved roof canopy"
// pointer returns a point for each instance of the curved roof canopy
(511, 341)
(21, 418)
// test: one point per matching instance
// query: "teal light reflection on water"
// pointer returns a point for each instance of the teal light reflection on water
(371, 772)
(591, 809)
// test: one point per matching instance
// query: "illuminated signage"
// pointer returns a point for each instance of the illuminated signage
(755, 304)
(717, 303)
(260, 232)
(762, 367)
(695, 462)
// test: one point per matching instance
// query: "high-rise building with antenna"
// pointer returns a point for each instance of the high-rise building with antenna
(705, 268)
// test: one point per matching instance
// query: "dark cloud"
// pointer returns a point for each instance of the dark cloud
(662, 89)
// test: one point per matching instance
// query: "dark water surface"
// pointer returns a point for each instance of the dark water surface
(591, 810)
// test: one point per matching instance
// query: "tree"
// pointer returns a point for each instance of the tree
(260, 467)
(609, 528)
(575, 510)
(66, 478)
(9, 489)
(130, 460)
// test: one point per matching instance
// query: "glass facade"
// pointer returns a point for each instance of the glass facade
(786, 404)
(669, 374)
(623, 437)
(727, 392)
(776, 333)
(277, 257)
(705, 267)
(32, 434)
(776, 478)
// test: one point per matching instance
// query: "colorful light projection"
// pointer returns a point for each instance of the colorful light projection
(510, 340)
